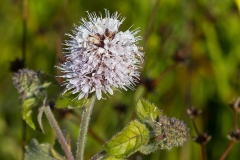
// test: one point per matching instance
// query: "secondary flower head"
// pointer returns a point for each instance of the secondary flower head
(27, 83)
(99, 57)
(170, 132)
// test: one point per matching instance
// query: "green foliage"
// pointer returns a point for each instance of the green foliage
(36, 89)
(39, 118)
(51, 86)
(149, 148)
(114, 158)
(27, 111)
(128, 141)
(36, 151)
(162, 134)
(147, 111)
(69, 100)
(206, 32)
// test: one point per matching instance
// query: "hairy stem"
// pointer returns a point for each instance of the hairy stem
(227, 150)
(58, 132)
(99, 155)
(82, 136)
(90, 130)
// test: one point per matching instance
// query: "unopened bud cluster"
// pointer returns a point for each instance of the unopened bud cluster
(27, 83)
(193, 112)
(234, 135)
(170, 132)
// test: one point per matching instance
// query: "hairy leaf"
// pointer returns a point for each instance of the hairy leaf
(147, 111)
(36, 151)
(128, 141)
(27, 111)
(69, 100)
(46, 88)
(51, 86)
(147, 149)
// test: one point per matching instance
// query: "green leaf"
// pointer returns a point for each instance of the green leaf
(36, 151)
(69, 100)
(32, 113)
(56, 154)
(27, 112)
(147, 111)
(114, 158)
(38, 87)
(128, 141)
(51, 86)
(147, 149)
(39, 117)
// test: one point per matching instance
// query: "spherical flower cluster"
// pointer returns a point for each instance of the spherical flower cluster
(27, 83)
(100, 58)
(170, 132)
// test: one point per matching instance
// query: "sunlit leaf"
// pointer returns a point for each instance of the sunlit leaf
(68, 140)
(99, 156)
(113, 158)
(27, 111)
(147, 111)
(32, 113)
(56, 154)
(36, 151)
(128, 141)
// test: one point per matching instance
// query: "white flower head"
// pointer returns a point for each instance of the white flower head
(100, 58)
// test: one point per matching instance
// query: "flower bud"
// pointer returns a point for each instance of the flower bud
(27, 83)
(170, 132)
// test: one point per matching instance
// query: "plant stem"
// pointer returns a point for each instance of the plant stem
(24, 30)
(99, 155)
(24, 135)
(195, 126)
(58, 132)
(94, 135)
(202, 152)
(84, 128)
(235, 119)
(227, 150)
(201, 145)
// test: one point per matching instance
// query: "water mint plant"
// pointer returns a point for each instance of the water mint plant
(99, 59)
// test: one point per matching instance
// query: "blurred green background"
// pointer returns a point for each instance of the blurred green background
(204, 34)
